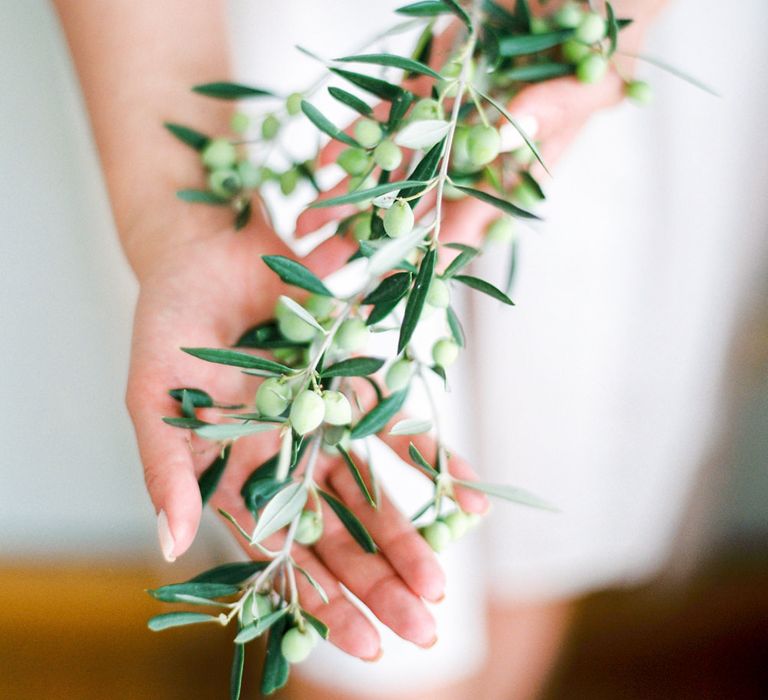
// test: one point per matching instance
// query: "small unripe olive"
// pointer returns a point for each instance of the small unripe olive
(451, 72)
(523, 156)
(239, 122)
(270, 127)
(254, 607)
(273, 397)
(219, 154)
(460, 149)
(387, 155)
(457, 523)
(250, 175)
(288, 356)
(338, 410)
(367, 133)
(399, 374)
(444, 352)
(526, 196)
(319, 306)
(293, 103)
(502, 230)
(307, 412)
(639, 91)
(398, 219)
(426, 109)
(288, 181)
(310, 527)
(591, 28)
(361, 229)
(437, 535)
(354, 161)
(297, 645)
(574, 51)
(224, 182)
(336, 436)
(473, 520)
(439, 294)
(352, 335)
(539, 25)
(569, 15)
(592, 68)
(483, 144)
(296, 329)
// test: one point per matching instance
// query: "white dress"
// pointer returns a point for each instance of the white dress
(609, 368)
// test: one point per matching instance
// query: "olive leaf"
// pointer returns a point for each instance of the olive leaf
(392, 61)
(325, 125)
(373, 421)
(509, 493)
(466, 255)
(356, 475)
(351, 522)
(198, 397)
(425, 170)
(319, 625)
(188, 136)
(259, 626)
(351, 100)
(266, 336)
(178, 619)
(454, 325)
(232, 573)
(171, 593)
(394, 251)
(484, 287)
(236, 674)
(293, 272)
(370, 193)
(411, 426)
(283, 508)
(201, 197)
(276, 668)
(421, 134)
(536, 72)
(376, 86)
(394, 287)
(230, 91)
(209, 479)
(314, 583)
(233, 431)
(503, 204)
(234, 358)
(354, 367)
(301, 312)
(417, 299)
(243, 216)
(510, 46)
(421, 462)
(613, 29)
(426, 8)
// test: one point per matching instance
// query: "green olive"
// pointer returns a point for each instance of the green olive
(439, 294)
(437, 535)
(457, 523)
(338, 410)
(368, 133)
(288, 181)
(574, 51)
(297, 645)
(270, 127)
(288, 356)
(592, 68)
(539, 25)
(426, 109)
(639, 91)
(293, 103)
(239, 122)
(460, 150)
(354, 161)
(387, 155)
(526, 196)
(307, 412)
(483, 145)
(296, 329)
(224, 182)
(250, 175)
(352, 335)
(569, 15)
(319, 305)
(591, 28)
(445, 352)
(398, 219)
(399, 374)
(310, 527)
(219, 154)
(361, 229)
(273, 397)
(502, 230)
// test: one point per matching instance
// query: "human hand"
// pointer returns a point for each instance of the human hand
(205, 293)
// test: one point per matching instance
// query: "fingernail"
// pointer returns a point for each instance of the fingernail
(375, 658)
(437, 600)
(167, 543)
(430, 644)
(510, 136)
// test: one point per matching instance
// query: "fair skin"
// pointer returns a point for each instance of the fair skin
(199, 286)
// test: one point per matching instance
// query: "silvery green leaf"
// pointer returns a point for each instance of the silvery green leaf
(385, 201)
(209, 479)
(276, 668)
(236, 674)
(285, 456)
(283, 508)
(509, 493)
(196, 589)
(293, 272)
(178, 619)
(411, 426)
(301, 312)
(389, 60)
(422, 134)
(234, 572)
(370, 193)
(259, 626)
(201, 197)
(313, 582)
(232, 431)
(319, 625)
(394, 251)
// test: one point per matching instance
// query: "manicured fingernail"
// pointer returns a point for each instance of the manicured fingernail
(510, 136)
(438, 599)
(167, 543)
(375, 658)
(431, 643)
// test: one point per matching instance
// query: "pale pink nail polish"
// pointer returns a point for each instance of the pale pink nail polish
(167, 543)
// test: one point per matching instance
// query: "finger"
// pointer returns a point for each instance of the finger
(169, 471)
(372, 579)
(404, 548)
(469, 501)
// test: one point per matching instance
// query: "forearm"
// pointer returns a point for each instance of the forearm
(136, 61)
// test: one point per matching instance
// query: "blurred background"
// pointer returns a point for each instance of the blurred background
(77, 532)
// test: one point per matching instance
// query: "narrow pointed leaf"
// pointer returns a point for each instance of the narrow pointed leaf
(233, 358)
(189, 136)
(171, 593)
(394, 251)
(230, 91)
(201, 197)
(537, 72)
(198, 397)
(417, 298)
(484, 287)
(210, 478)
(276, 668)
(421, 462)
(347, 98)
(376, 86)
(301, 312)
(233, 431)
(467, 254)
(411, 426)
(426, 8)
(422, 134)
(370, 193)
(502, 204)
(236, 674)
(356, 475)
(319, 625)
(392, 61)
(178, 619)
(425, 170)
(260, 626)
(673, 71)
(375, 420)
(510, 46)
(509, 493)
(351, 522)
(283, 508)
(457, 331)
(266, 336)
(460, 12)
(314, 583)
(325, 125)
(393, 287)
(293, 272)
(613, 29)
(354, 367)
(184, 422)
(233, 573)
